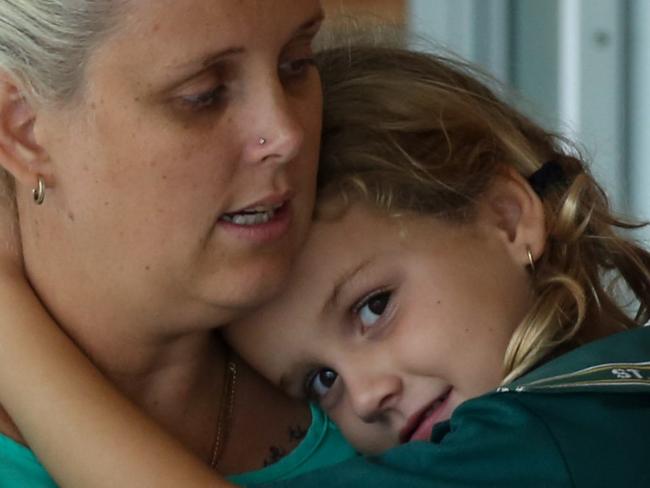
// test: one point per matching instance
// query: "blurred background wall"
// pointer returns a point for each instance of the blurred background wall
(582, 65)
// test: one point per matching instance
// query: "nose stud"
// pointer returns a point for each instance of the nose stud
(262, 141)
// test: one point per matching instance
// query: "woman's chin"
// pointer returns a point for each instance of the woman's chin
(249, 285)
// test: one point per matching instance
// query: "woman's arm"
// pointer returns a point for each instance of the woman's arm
(84, 431)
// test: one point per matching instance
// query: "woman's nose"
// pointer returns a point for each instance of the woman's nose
(275, 135)
(372, 395)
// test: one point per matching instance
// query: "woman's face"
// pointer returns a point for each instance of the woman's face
(185, 171)
(390, 323)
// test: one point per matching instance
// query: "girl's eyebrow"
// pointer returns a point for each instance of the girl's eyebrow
(312, 22)
(343, 280)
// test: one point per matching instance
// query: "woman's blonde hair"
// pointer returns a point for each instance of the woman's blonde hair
(422, 133)
(44, 47)
(45, 44)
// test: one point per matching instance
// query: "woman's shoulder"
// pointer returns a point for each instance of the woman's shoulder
(282, 437)
(322, 445)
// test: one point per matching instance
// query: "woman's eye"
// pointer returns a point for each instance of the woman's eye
(296, 67)
(205, 100)
(320, 382)
(371, 309)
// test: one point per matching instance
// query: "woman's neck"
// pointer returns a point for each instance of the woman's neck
(169, 367)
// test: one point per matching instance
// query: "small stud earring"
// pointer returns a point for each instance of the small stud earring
(38, 193)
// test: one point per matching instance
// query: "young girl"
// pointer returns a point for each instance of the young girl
(456, 294)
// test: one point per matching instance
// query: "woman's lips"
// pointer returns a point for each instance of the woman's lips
(420, 425)
(259, 224)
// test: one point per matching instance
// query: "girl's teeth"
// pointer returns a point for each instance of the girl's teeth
(432, 408)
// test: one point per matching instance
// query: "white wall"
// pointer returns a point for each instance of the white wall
(570, 59)
(639, 110)
(477, 30)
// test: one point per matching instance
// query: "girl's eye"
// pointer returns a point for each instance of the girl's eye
(205, 100)
(371, 309)
(320, 382)
(296, 67)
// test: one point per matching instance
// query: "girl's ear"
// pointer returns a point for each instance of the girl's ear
(517, 214)
(20, 153)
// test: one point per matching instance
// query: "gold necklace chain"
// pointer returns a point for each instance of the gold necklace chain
(225, 410)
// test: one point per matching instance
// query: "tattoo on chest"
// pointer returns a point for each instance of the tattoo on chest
(296, 434)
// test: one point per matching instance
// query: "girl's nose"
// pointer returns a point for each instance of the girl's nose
(372, 395)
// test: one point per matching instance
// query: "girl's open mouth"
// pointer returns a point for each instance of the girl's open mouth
(421, 424)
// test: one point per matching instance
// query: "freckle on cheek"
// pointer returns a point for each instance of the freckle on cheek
(71, 216)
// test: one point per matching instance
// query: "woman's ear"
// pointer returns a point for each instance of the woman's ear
(517, 214)
(20, 153)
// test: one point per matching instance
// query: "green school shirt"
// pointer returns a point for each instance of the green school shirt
(581, 420)
(323, 445)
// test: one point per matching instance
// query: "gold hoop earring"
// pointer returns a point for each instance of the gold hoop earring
(531, 261)
(39, 192)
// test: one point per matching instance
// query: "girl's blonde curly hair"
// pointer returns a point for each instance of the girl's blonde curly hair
(416, 132)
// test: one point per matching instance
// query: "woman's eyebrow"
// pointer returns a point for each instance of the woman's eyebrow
(195, 67)
(192, 68)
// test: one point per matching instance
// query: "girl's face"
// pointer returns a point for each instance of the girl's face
(391, 322)
(186, 169)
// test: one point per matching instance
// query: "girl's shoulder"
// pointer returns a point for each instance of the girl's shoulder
(590, 406)
(617, 363)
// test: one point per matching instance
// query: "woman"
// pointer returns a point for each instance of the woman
(162, 156)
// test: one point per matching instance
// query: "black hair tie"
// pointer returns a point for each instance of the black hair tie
(547, 176)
